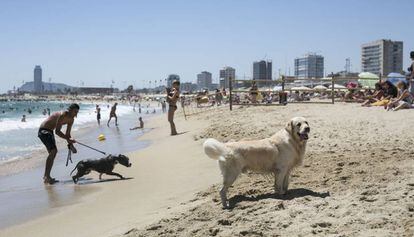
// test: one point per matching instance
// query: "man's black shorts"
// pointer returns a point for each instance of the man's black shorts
(48, 138)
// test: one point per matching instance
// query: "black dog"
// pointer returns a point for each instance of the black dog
(102, 166)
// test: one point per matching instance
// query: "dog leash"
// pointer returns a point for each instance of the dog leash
(69, 158)
(91, 148)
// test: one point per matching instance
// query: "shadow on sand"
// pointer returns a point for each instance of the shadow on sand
(95, 181)
(291, 194)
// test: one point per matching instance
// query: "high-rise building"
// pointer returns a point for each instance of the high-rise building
(171, 78)
(262, 70)
(226, 74)
(382, 57)
(309, 66)
(38, 85)
(204, 80)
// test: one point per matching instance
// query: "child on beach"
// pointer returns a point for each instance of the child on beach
(24, 118)
(45, 134)
(173, 95)
(141, 124)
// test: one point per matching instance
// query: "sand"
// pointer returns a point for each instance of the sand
(357, 180)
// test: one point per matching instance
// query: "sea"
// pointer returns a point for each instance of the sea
(18, 140)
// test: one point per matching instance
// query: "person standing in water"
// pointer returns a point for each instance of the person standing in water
(173, 95)
(45, 134)
(113, 114)
(98, 114)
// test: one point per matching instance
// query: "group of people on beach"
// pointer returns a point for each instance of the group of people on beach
(112, 114)
(394, 97)
(53, 125)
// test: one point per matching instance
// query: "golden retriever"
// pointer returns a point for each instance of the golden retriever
(276, 155)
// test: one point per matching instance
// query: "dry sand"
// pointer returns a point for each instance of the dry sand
(357, 180)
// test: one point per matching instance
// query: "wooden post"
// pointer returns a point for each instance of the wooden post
(230, 94)
(333, 89)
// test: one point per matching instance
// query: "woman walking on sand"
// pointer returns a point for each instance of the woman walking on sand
(172, 96)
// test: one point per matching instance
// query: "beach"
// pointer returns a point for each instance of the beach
(23, 196)
(356, 180)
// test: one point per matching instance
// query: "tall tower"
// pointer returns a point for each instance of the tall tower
(38, 85)
(347, 65)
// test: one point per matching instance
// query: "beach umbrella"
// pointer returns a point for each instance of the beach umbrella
(394, 78)
(320, 88)
(352, 85)
(326, 79)
(300, 88)
(337, 86)
(277, 88)
(368, 79)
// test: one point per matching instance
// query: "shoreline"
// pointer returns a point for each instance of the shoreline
(154, 188)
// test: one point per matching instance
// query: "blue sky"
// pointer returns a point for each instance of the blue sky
(133, 42)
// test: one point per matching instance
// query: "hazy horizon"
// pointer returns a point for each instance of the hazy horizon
(132, 42)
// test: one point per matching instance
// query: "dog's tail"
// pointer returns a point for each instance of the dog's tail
(215, 149)
(75, 167)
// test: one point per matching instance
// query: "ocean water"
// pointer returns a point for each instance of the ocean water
(18, 140)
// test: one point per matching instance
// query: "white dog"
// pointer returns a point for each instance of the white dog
(276, 155)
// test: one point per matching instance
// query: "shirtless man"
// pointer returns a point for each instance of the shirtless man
(113, 114)
(55, 122)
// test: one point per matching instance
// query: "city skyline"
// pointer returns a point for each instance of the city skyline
(98, 42)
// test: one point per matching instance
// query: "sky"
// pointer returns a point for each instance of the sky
(93, 43)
